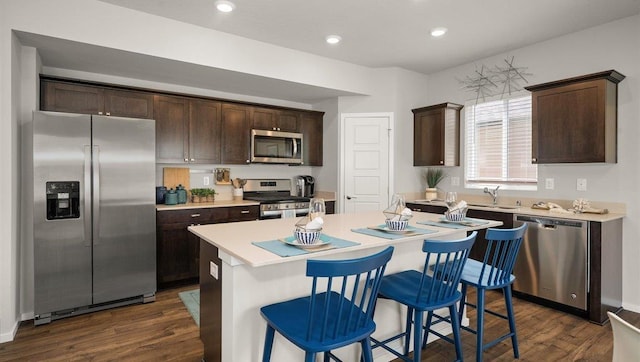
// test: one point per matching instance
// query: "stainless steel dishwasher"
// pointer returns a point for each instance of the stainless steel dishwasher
(553, 260)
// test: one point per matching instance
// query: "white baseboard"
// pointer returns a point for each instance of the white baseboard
(27, 316)
(9, 336)
(631, 307)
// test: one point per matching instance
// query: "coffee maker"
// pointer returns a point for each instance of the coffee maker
(304, 186)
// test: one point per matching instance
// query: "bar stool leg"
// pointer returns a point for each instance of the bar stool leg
(512, 320)
(480, 325)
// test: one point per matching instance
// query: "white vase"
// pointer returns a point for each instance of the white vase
(431, 193)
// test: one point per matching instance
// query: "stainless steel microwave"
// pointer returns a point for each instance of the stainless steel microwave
(276, 147)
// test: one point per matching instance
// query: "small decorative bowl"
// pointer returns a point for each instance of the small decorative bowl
(455, 216)
(307, 237)
(396, 225)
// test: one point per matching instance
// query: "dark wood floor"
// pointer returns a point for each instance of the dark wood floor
(165, 331)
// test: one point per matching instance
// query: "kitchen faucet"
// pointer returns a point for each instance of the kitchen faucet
(493, 193)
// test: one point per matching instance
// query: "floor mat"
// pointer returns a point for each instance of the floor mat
(191, 300)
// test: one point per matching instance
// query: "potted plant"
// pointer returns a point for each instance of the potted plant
(196, 195)
(433, 177)
(210, 195)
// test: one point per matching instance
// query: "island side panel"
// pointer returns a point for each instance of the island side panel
(210, 303)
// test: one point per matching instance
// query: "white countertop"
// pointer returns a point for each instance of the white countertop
(525, 210)
(235, 239)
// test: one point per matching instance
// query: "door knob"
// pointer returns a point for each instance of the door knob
(351, 197)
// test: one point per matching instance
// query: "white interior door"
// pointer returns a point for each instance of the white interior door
(366, 155)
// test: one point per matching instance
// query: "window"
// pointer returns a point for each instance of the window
(498, 144)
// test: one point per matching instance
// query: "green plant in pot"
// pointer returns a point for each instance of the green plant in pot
(202, 195)
(210, 195)
(433, 176)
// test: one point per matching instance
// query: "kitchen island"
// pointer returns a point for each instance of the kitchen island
(238, 277)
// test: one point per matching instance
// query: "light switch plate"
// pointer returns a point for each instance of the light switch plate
(205, 180)
(455, 181)
(213, 269)
(581, 184)
(549, 184)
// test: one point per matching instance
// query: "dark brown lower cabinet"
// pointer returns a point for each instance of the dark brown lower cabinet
(330, 207)
(178, 250)
(479, 247)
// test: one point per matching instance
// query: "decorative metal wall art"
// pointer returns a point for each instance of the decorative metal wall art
(498, 80)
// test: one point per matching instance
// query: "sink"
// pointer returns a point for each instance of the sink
(491, 206)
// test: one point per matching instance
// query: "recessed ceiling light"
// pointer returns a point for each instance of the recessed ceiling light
(333, 39)
(438, 32)
(225, 6)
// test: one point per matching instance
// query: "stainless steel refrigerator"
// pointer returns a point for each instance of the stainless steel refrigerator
(94, 213)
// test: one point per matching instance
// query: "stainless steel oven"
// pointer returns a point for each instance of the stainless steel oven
(275, 198)
(276, 147)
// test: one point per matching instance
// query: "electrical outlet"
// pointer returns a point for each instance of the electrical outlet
(455, 181)
(581, 184)
(205, 180)
(213, 269)
(549, 184)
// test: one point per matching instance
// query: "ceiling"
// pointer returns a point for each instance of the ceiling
(375, 33)
(395, 33)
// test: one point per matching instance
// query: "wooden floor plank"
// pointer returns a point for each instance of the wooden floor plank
(165, 331)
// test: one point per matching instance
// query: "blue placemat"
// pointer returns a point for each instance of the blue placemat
(279, 248)
(466, 222)
(388, 235)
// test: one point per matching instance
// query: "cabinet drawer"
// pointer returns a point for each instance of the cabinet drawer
(244, 213)
(191, 216)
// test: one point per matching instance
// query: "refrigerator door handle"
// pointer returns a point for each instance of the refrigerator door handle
(96, 195)
(87, 195)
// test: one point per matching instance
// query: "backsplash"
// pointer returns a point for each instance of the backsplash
(224, 192)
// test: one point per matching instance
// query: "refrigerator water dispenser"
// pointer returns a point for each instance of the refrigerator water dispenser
(63, 200)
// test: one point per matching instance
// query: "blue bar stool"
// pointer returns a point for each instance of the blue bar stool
(422, 292)
(494, 272)
(338, 312)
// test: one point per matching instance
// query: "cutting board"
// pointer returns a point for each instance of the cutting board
(173, 176)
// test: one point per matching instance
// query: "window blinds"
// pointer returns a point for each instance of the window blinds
(498, 142)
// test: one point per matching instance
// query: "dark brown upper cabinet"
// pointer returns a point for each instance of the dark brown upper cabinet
(436, 135)
(575, 120)
(274, 119)
(311, 129)
(60, 96)
(236, 129)
(187, 130)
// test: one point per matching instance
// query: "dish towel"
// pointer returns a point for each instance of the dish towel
(278, 247)
(410, 231)
(466, 222)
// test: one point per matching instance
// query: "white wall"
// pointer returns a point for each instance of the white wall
(92, 22)
(612, 46)
(615, 45)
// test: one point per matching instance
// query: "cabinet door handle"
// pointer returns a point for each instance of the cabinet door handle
(99, 113)
(193, 160)
(534, 160)
(195, 215)
(248, 161)
(108, 113)
(186, 160)
(441, 162)
(244, 211)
